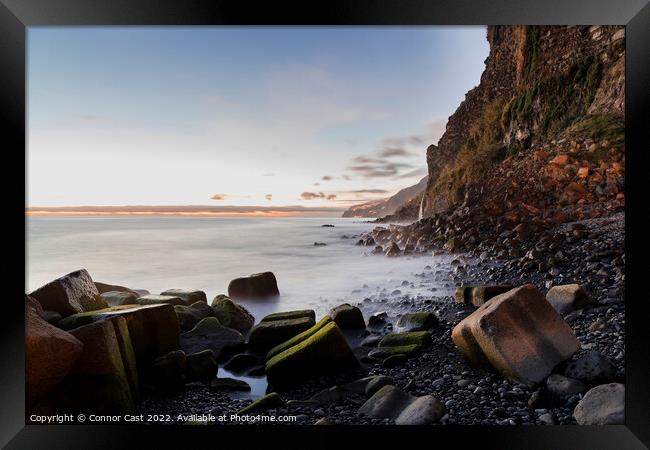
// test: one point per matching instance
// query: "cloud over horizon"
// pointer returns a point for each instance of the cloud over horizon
(316, 195)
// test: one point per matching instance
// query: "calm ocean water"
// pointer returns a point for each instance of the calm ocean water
(159, 253)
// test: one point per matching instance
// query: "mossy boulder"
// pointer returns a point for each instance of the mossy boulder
(189, 296)
(116, 298)
(232, 315)
(152, 299)
(298, 338)
(418, 321)
(98, 379)
(255, 286)
(210, 334)
(104, 287)
(73, 293)
(154, 329)
(407, 350)
(422, 338)
(325, 351)
(128, 354)
(229, 384)
(269, 401)
(189, 316)
(266, 335)
(286, 315)
(348, 317)
(201, 366)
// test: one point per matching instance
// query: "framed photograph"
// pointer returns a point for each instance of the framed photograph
(294, 221)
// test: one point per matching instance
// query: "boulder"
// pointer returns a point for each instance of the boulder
(419, 321)
(229, 384)
(103, 288)
(232, 315)
(518, 333)
(298, 338)
(269, 401)
(406, 350)
(298, 314)
(128, 354)
(423, 410)
(210, 334)
(201, 366)
(189, 296)
(255, 286)
(73, 293)
(117, 298)
(98, 381)
(396, 360)
(477, 295)
(341, 392)
(371, 341)
(592, 368)
(561, 388)
(387, 403)
(50, 354)
(602, 405)
(347, 317)
(393, 250)
(51, 317)
(153, 329)
(325, 351)
(422, 338)
(152, 299)
(568, 297)
(168, 371)
(266, 335)
(189, 316)
(377, 383)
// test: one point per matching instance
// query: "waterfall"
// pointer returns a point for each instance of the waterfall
(421, 206)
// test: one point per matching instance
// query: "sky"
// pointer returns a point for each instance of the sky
(239, 116)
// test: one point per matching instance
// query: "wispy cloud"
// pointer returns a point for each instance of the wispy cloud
(317, 195)
(269, 197)
(218, 197)
(327, 178)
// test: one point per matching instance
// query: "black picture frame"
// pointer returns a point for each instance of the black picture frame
(17, 15)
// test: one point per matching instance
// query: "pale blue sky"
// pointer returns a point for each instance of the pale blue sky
(170, 115)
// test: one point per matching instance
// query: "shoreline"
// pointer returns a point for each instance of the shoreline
(471, 396)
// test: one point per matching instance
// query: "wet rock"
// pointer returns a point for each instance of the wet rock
(189, 296)
(73, 293)
(518, 333)
(256, 286)
(371, 341)
(591, 368)
(232, 315)
(423, 410)
(210, 334)
(153, 299)
(189, 316)
(419, 321)
(348, 317)
(390, 402)
(377, 383)
(393, 250)
(405, 350)
(201, 366)
(288, 315)
(561, 387)
(394, 361)
(104, 287)
(298, 338)
(567, 298)
(602, 405)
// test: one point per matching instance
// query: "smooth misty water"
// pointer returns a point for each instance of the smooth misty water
(159, 253)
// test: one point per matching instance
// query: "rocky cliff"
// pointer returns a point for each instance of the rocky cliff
(542, 87)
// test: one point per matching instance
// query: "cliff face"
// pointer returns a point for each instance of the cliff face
(387, 206)
(539, 84)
